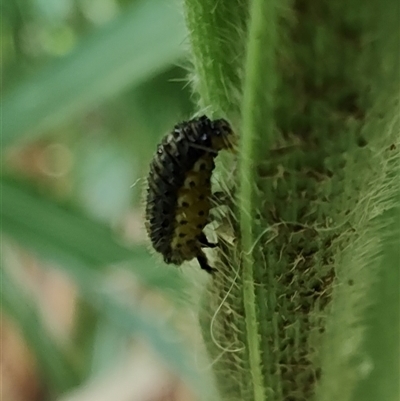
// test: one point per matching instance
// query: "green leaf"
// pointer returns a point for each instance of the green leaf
(80, 244)
(125, 53)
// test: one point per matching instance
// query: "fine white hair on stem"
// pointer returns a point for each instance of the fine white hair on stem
(136, 182)
(209, 365)
(214, 340)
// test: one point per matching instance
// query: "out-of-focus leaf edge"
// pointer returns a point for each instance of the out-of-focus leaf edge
(125, 53)
(80, 245)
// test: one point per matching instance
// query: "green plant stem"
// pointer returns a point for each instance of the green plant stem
(217, 43)
(257, 129)
(313, 172)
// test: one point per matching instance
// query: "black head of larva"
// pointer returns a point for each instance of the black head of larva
(179, 188)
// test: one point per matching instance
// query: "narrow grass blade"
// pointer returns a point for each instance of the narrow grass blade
(125, 53)
(79, 244)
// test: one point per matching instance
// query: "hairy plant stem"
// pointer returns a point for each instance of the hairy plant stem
(256, 135)
(283, 317)
(217, 41)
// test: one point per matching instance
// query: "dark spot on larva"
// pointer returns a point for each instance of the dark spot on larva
(202, 197)
(201, 213)
(350, 282)
(182, 235)
(203, 166)
(185, 204)
(199, 226)
(179, 245)
(192, 184)
(392, 146)
(183, 222)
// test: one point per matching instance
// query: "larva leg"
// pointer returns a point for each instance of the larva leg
(204, 241)
(204, 264)
(219, 197)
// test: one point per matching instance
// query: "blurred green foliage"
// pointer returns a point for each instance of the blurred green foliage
(88, 89)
